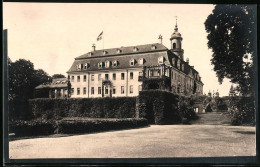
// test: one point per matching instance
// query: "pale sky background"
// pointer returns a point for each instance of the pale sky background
(51, 35)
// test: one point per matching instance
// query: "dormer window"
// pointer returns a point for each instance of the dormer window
(100, 64)
(132, 62)
(141, 61)
(115, 63)
(86, 66)
(57, 82)
(104, 52)
(173, 61)
(178, 64)
(135, 49)
(161, 60)
(78, 66)
(153, 47)
(107, 64)
(118, 51)
(182, 67)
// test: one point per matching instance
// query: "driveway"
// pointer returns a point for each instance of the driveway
(156, 141)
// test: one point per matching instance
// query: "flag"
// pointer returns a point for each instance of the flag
(100, 36)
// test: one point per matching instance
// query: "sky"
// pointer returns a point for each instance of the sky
(51, 35)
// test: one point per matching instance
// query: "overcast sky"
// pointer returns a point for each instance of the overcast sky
(51, 35)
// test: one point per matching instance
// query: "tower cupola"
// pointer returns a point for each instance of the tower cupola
(176, 40)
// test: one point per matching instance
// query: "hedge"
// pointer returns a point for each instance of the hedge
(85, 126)
(32, 128)
(158, 107)
(121, 107)
(70, 126)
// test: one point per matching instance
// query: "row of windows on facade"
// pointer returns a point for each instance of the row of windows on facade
(131, 90)
(106, 77)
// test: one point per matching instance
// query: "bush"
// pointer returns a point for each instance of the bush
(242, 110)
(158, 107)
(32, 128)
(18, 109)
(96, 125)
(121, 107)
(186, 109)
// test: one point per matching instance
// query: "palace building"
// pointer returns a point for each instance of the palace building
(124, 71)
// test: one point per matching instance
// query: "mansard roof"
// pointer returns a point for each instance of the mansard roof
(124, 50)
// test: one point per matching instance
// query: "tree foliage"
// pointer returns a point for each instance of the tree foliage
(23, 78)
(58, 76)
(232, 37)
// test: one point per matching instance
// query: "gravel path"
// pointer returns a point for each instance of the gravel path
(151, 142)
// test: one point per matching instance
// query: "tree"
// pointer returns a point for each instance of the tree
(58, 76)
(232, 37)
(23, 78)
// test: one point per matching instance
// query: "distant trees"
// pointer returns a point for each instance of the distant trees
(58, 76)
(22, 79)
(232, 37)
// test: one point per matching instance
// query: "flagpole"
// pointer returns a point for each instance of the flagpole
(103, 40)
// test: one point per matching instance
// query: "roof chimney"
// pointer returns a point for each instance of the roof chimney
(93, 47)
(160, 39)
(187, 60)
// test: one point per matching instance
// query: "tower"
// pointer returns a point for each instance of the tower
(176, 40)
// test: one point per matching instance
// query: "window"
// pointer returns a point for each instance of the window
(99, 90)
(81, 66)
(118, 51)
(92, 77)
(106, 77)
(115, 63)
(141, 61)
(78, 78)
(72, 91)
(100, 64)
(131, 75)
(175, 76)
(104, 52)
(153, 47)
(140, 88)
(161, 60)
(86, 66)
(107, 64)
(140, 73)
(114, 76)
(132, 62)
(84, 91)
(99, 77)
(122, 76)
(78, 66)
(78, 91)
(106, 90)
(92, 90)
(114, 90)
(122, 89)
(131, 89)
(68, 77)
(135, 49)
(85, 78)
(174, 45)
(72, 79)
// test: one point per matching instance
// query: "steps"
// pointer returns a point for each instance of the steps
(212, 118)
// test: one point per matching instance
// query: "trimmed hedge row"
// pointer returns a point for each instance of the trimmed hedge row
(85, 126)
(32, 128)
(121, 107)
(37, 127)
(158, 107)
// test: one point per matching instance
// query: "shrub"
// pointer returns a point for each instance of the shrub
(18, 109)
(121, 107)
(186, 108)
(159, 107)
(242, 110)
